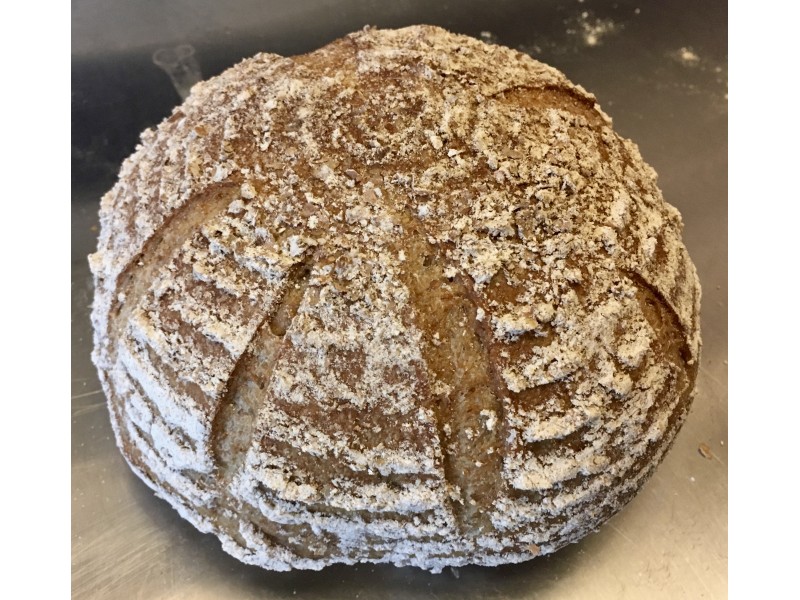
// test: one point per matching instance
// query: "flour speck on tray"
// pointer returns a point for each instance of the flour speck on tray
(591, 30)
(686, 56)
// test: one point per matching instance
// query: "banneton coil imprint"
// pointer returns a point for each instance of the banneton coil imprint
(405, 299)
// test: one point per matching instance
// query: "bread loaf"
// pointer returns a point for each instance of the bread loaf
(405, 299)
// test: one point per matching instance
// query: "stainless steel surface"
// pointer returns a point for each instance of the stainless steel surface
(661, 73)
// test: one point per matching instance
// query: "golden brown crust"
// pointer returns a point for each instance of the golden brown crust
(405, 299)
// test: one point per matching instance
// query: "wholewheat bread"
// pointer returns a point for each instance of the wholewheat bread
(404, 299)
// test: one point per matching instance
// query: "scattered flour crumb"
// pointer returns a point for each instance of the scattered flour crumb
(489, 37)
(592, 30)
(687, 57)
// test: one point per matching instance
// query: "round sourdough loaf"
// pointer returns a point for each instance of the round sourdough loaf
(404, 299)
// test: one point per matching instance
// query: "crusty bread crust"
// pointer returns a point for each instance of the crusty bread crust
(405, 299)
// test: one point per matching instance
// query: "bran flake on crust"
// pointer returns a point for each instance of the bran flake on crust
(321, 164)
